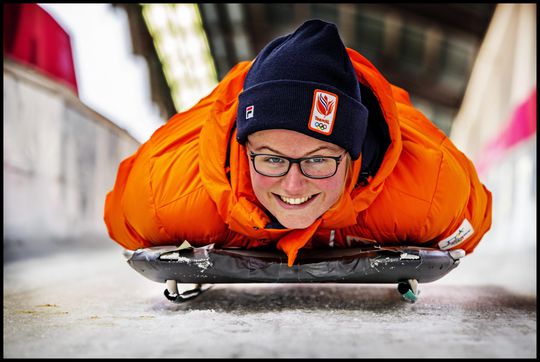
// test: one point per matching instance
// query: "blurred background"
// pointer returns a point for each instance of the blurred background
(86, 84)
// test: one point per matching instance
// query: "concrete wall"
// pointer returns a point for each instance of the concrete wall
(60, 160)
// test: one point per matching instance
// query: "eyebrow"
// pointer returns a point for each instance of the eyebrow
(306, 154)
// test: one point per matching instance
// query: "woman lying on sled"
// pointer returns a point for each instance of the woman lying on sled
(307, 146)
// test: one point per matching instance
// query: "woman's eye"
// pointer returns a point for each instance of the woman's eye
(273, 160)
(317, 160)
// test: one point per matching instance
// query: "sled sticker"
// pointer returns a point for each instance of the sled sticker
(250, 112)
(460, 235)
(323, 112)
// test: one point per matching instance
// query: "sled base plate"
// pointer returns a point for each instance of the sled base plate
(209, 265)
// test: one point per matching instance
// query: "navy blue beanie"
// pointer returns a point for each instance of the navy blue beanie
(305, 82)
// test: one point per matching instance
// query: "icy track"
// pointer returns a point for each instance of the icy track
(92, 304)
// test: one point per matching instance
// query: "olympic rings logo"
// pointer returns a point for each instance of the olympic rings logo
(320, 126)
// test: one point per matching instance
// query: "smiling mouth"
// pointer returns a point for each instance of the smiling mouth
(295, 200)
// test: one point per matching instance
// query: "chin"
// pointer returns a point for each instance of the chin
(296, 224)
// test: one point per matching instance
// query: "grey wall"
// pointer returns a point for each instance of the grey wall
(60, 160)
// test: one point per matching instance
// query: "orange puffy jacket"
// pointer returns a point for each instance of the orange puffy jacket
(190, 181)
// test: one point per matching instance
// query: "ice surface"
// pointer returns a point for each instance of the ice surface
(93, 304)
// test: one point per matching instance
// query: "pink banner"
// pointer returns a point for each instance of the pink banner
(520, 127)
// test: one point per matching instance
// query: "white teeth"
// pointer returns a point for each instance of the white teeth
(295, 201)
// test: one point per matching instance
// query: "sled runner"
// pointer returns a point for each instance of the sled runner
(406, 266)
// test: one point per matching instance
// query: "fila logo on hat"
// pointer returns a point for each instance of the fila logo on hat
(323, 112)
(250, 112)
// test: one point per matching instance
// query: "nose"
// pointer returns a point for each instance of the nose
(293, 182)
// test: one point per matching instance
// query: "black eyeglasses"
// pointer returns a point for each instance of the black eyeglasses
(317, 167)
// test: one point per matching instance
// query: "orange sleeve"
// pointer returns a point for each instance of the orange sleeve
(460, 211)
(158, 191)
(117, 225)
(475, 218)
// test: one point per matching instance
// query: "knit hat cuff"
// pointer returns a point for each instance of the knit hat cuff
(288, 104)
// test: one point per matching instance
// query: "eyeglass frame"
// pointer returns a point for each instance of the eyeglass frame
(291, 160)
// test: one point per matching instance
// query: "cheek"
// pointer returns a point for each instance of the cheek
(261, 183)
(332, 188)
(329, 184)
